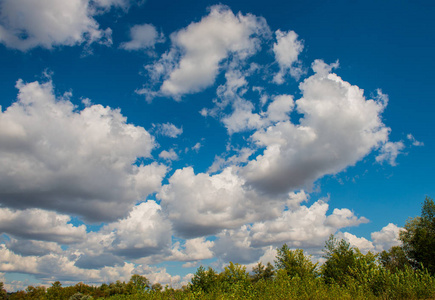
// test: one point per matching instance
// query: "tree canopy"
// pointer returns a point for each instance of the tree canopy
(418, 238)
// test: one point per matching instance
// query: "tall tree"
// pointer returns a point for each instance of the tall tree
(418, 238)
(340, 258)
(3, 293)
(204, 280)
(394, 259)
(294, 262)
(262, 272)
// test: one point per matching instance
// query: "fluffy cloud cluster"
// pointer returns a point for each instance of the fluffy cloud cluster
(168, 129)
(301, 227)
(286, 50)
(142, 37)
(200, 204)
(81, 162)
(57, 159)
(25, 24)
(38, 224)
(338, 128)
(192, 64)
(144, 232)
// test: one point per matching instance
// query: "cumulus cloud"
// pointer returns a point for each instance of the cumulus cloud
(33, 248)
(236, 245)
(389, 152)
(41, 225)
(124, 4)
(387, 237)
(220, 162)
(168, 129)
(280, 108)
(242, 118)
(25, 24)
(197, 50)
(414, 141)
(142, 37)
(300, 227)
(144, 232)
(77, 161)
(52, 267)
(304, 226)
(168, 155)
(203, 204)
(338, 128)
(193, 250)
(286, 50)
(361, 243)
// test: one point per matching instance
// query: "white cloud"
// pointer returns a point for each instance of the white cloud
(280, 108)
(38, 224)
(33, 248)
(303, 227)
(220, 163)
(25, 24)
(387, 237)
(197, 50)
(168, 155)
(361, 243)
(389, 152)
(145, 231)
(235, 245)
(339, 127)
(414, 141)
(295, 199)
(242, 118)
(160, 275)
(142, 37)
(286, 50)
(193, 250)
(201, 204)
(82, 162)
(196, 147)
(52, 267)
(124, 4)
(168, 129)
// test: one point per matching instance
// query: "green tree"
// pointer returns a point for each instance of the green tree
(157, 287)
(234, 280)
(3, 293)
(55, 291)
(204, 279)
(234, 273)
(394, 259)
(340, 258)
(138, 284)
(80, 296)
(418, 238)
(35, 292)
(295, 263)
(262, 272)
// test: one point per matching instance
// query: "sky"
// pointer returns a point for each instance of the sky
(152, 137)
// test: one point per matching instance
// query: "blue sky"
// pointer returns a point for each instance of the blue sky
(152, 137)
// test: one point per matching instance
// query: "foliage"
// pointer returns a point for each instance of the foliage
(3, 294)
(261, 272)
(418, 238)
(138, 284)
(203, 280)
(295, 263)
(394, 259)
(340, 258)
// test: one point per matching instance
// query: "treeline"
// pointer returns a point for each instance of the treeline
(405, 272)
